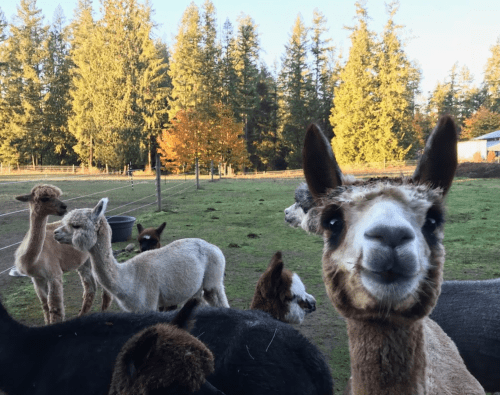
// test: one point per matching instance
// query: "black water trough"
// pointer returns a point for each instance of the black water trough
(121, 226)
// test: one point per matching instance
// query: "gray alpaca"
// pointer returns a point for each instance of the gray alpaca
(155, 279)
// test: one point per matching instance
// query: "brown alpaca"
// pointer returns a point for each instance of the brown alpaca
(162, 358)
(282, 294)
(45, 260)
(382, 267)
(149, 238)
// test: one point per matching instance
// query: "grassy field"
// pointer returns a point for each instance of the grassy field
(245, 219)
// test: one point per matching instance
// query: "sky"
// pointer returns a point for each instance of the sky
(438, 33)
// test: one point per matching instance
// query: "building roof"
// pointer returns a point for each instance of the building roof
(493, 145)
(492, 135)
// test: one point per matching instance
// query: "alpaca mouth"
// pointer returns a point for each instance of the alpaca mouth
(387, 277)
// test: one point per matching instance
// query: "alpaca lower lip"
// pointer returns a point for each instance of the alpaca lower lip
(387, 277)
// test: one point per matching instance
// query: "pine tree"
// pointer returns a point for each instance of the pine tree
(210, 85)
(56, 77)
(23, 135)
(398, 83)
(185, 63)
(229, 79)
(356, 102)
(323, 72)
(297, 91)
(492, 76)
(246, 57)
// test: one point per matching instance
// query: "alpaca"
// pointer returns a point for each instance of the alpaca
(253, 353)
(149, 238)
(154, 279)
(469, 313)
(164, 358)
(473, 327)
(382, 267)
(282, 294)
(44, 260)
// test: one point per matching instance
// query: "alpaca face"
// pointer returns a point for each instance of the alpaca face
(149, 238)
(44, 201)
(282, 294)
(80, 227)
(383, 248)
(294, 215)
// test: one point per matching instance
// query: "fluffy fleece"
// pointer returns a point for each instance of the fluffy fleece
(254, 353)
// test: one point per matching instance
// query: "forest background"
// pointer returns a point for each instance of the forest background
(102, 91)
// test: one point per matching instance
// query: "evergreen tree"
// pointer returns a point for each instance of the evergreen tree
(356, 101)
(229, 79)
(246, 57)
(59, 142)
(23, 134)
(210, 85)
(186, 63)
(323, 72)
(398, 84)
(297, 90)
(492, 76)
(4, 78)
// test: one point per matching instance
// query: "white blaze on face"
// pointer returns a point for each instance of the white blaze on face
(146, 237)
(297, 313)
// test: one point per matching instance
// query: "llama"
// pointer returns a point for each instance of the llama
(282, 294)
(164, 358)
(253, 353)
(40, 257)
(149, 238)
(382, 267)
(154, 279)
(473, 327)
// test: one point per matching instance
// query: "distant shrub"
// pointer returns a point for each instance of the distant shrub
(491, 156)
(477, 157)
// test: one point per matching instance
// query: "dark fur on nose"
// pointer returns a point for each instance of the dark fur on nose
(391, 236)
(309, 307)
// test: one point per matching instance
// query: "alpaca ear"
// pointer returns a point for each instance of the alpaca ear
(320, 166)
(160, 229)
(438, 163)
(140, 228)
(183, 318)
(275, 270)
(99, 210)
(23, 198)
(140, 350)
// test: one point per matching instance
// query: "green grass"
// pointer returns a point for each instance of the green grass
(245, 219)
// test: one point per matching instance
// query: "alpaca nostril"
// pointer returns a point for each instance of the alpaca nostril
(392, 236)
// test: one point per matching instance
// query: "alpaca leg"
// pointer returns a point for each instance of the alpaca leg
(56, 303)
(89, 287)
(216, 297)
(41, 289)
(107, 298)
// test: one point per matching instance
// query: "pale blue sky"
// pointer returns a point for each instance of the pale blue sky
(440, 32)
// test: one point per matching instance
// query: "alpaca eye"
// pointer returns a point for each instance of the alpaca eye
(335, 225)
(76, 226)
(44, 199)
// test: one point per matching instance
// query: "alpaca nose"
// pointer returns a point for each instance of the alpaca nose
(64, 206)
(391, 236)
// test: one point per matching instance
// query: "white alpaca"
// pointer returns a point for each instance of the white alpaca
(154, 279)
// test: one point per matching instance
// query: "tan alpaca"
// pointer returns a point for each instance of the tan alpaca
(382, 267)
(44, 260)
(154, 279)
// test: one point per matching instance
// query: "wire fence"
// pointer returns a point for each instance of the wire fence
(145, 195)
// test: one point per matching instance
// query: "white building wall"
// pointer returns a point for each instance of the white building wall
(467, 149)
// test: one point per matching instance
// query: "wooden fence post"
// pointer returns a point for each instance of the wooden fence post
(212, 170)
(197, 171)
(158, 181)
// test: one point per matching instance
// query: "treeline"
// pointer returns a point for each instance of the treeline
(104, 92)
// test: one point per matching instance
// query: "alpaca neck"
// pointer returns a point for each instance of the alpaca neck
(387, 358)
(105, 266)
(34, 239)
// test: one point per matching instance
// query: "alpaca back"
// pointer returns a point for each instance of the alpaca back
(446, 372)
